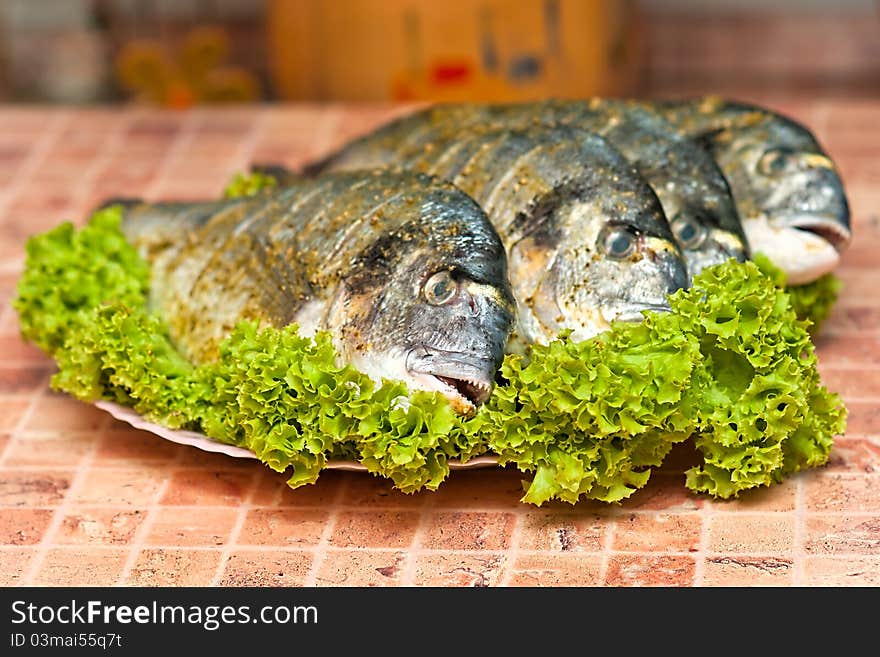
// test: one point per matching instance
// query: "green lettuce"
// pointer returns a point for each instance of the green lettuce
(249, 184)
(811, 301)
(730, 368)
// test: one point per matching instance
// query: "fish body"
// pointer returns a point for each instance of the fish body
(403, 269)
(692, 189)
(788, 192)
(586, 237)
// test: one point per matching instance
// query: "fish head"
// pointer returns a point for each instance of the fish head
(698, 204)
(790, 195)
(608, 255)
(432, 305)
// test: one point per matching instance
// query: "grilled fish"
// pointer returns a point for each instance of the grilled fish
(586, 237)
(403, 269)
(787, 190)
(693, 192)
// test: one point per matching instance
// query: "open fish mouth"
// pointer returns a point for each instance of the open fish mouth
(829, 228)
(466, 382)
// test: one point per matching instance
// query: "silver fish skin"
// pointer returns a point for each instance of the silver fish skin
(404, 270)
(788, 191)
(586, 236)
(692, 189)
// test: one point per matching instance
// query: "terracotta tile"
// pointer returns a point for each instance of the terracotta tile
(23, 526)
(56, 412)
(657, 532)
(832, 535)
(665, 492)
(64, 451)
(776, 497)
(99, 526)
(360, 568)
(199, 458)
(637, 570)
(366, 491)
(374, 528)
(191, 526)
(81, 566)
(563, 532)
(11, 411)
(863, 417)
(204, 487)
(751, 533)
(842, 571)
(127, 447)
(167, 567)
(459, 569)
(276, 568)
(124, 486)
(852, 383)
(468, 530)
(748, 571)
(283, 527)
(853, 454)
(272, 489)
(485, 488)
(23, 379)
(853, 350)
(14, 564)
(845, 320)
(14, 348)
(556, 570)
(39, 488)
(842, 492)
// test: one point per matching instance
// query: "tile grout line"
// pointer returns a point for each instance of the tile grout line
(47, 542)
(139, 540)
(701, 554)
(513, 549)
(235, 531)
(607, 547)
(320, 553)
(407, 573)
(798, 556)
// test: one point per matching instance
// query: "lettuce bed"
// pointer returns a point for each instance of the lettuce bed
(731, 368)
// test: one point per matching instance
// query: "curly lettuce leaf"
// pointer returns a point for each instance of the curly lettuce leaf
(810, 301)
(730, 367)
(248, 184)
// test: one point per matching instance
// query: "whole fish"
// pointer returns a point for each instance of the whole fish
(403, 269)
(787, 190)
(586, 238)
(693, 191)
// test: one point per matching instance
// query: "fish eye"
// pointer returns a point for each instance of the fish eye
(773, 162)
(619, 242)
(688, 232)
(440, 288)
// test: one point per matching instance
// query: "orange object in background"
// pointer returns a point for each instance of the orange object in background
(493, 50)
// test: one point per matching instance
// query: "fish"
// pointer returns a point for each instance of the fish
(693, 191)
(788, 191)
(403, 269)
(586, 238)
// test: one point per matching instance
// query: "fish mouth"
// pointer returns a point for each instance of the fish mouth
(827, 227)
(466, 381)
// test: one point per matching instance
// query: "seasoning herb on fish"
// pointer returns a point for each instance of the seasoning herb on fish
(788, 191)
(403, 269)
(586, 237)
(693, 191)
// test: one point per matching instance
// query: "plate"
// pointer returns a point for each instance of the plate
(203, 442)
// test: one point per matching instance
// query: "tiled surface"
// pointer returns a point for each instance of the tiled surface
(87, 500)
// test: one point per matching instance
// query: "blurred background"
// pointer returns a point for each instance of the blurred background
(179, 53)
